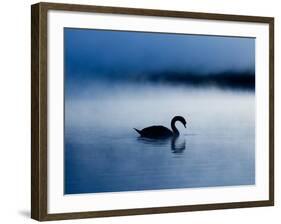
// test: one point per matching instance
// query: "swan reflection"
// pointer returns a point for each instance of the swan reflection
(177, 144)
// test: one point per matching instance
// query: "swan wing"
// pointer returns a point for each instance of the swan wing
(156, 131)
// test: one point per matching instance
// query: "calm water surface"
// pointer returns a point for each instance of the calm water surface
(104, 154)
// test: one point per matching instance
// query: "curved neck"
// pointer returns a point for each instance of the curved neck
(174, 128)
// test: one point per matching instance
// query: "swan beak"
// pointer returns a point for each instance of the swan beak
(184, 125)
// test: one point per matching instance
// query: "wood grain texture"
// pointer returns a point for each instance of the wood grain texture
(271, 111)
(34, 113)
(38, 112)
(39, 203)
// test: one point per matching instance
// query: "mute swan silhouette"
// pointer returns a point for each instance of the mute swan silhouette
(161, 131)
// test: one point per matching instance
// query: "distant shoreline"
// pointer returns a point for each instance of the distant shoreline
(243, 80)
(224, 80)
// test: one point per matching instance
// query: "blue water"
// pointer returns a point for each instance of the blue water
(104, 154)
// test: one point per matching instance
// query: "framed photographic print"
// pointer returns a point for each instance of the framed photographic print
(141, 111)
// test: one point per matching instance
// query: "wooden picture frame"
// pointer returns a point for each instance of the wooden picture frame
(39, 110)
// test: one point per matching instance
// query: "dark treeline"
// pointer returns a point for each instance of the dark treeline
(225, 80)
(232, 79)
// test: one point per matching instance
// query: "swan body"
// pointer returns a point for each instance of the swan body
(158, 131)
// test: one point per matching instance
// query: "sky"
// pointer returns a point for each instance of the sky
(97, 54)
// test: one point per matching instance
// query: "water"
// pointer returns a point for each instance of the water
(104, 154)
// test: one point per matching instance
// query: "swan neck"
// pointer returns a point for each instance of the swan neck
(174, 128)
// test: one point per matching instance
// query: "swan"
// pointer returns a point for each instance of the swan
(161, 131)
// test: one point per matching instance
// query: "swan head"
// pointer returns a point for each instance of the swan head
(180, 119)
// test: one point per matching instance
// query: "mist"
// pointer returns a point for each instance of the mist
(116, 81)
